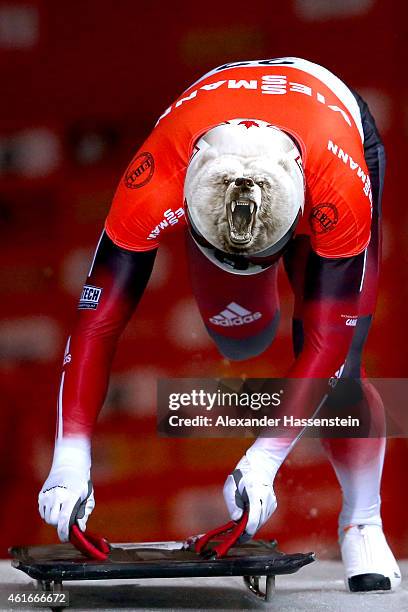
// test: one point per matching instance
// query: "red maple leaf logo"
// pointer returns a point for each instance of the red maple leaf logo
(249, 123)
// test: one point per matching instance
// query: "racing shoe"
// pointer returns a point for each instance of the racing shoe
(368, 561)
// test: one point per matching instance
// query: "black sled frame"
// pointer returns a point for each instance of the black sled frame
(54, 564)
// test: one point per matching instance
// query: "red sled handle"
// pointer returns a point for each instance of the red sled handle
(89, 544)
(229, 534)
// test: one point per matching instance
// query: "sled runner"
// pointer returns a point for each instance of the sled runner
(199, 556)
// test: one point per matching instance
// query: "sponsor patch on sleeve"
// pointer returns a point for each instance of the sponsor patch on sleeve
(140, 171)
(323, 218)
(90, 297)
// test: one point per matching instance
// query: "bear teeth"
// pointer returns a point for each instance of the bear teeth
(236, 203)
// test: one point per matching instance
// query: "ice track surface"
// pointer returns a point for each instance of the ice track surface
(318, 586)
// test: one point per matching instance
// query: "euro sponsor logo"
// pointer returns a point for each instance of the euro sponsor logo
(67, 359)
(67, 354)
(90, 297)
(351, 320)
(323, 218)
(140, 171)
(353, 166)
(267, 84)
(170, 217)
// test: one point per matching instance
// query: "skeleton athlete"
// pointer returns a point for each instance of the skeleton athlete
(255, 162)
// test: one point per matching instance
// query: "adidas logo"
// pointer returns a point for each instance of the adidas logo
(234, 314)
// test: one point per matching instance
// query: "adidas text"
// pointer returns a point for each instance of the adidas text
(235, 315)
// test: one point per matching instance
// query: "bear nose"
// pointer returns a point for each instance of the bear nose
(244, 182)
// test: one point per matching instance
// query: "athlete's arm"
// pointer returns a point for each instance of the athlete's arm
(331, 297)
(327, 311)
(111, 293)
(330, 300)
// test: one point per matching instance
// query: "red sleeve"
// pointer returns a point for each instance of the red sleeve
(331, 300)
(338, 211)
(149, 198)
(109, 297)
(330, 303)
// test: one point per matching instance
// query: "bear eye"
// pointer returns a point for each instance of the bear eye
(260, 183)
(226, 181)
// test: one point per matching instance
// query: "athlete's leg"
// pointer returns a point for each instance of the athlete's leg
(358, 462)
(295, 260)
(241, 313)
(368, 561)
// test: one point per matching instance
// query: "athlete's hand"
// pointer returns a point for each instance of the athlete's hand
(67, 494)
(250, 487)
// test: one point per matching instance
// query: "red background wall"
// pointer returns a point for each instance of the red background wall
(82, 85)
